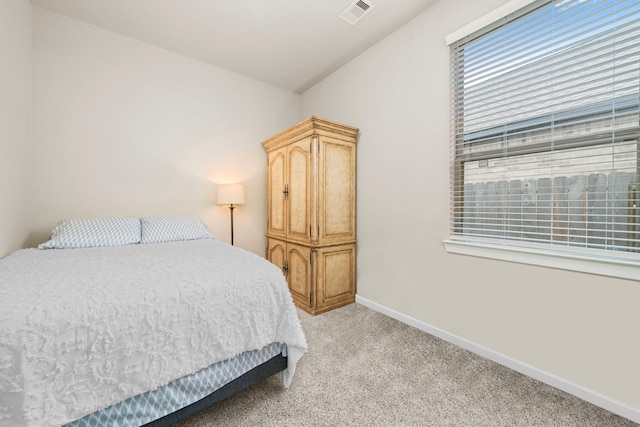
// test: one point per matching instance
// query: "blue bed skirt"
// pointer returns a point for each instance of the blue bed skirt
(156, 404)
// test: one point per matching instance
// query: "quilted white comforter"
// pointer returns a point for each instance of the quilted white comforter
(82, 329)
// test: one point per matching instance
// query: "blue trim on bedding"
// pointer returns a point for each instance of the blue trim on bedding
(155, 404)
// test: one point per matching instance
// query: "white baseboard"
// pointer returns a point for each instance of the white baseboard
(590, 396)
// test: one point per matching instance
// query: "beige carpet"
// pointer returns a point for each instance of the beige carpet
(366, 369)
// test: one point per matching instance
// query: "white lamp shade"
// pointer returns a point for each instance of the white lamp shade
(230, 194)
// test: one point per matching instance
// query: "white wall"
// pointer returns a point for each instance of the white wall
(15, 122)
(581, 328)
(123, 128)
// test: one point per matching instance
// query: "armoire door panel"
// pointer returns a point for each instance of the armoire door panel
(299, 273)
(337, 191)
(277, 252)
(299, 186)
(276, 186)
(336, 276)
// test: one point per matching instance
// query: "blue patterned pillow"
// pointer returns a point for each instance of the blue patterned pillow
(170, 229)
(93, 232)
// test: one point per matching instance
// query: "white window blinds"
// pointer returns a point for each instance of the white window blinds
(545, 128)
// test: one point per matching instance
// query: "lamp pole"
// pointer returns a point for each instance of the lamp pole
(231, 194)
(231, 208)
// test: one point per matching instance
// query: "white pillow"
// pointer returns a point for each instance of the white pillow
(170, 229)
(93, 232)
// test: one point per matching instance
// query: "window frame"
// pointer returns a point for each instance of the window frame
(611, 263)
(564, 260)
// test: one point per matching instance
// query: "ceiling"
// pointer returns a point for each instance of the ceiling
(292, 44)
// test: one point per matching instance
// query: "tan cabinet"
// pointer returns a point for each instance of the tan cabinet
(311, 228)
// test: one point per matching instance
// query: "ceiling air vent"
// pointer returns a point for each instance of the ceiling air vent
(355, 11)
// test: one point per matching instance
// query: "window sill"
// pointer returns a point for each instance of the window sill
(605, 266)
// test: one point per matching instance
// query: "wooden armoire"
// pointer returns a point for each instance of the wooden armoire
(311, 228)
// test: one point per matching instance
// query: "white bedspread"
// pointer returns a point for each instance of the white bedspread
(81, 329)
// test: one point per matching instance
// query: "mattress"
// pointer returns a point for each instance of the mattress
(84, 329)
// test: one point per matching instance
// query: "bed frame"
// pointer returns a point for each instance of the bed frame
(272, 366)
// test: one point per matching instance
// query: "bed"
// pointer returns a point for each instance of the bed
(134, 321)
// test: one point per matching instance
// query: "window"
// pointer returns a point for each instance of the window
(545, 128)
